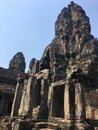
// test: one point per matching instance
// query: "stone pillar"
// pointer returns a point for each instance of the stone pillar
(69, 107)
(80, 112)
(96, 114)
(74, 104)
(50, 100)
(17, 97)
(26, 105)
(43, 110)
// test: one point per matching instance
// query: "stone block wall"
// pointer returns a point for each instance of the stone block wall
(91, 98)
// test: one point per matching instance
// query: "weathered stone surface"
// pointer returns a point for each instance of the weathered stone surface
(66, 77)
(71, 45)
(41, 94)
(8, 76)
(26, 105)
(6, 100)
(80, 112)
(91, 104)
(34, 66)
(21, 125)
(17, 96)
(69, 106)
(43, 109)
(18, 62)
(8, 81)
(73, 53)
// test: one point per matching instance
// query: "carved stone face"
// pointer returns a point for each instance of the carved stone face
(72, 20)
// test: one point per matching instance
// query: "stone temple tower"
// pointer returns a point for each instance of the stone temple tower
(60, 91)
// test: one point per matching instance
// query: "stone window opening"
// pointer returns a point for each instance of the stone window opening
(58, 102)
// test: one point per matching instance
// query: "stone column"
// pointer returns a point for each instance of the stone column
(43, 110)
(26, 105)
(50, 100)
(69, 103)
(80, 112)
(17, 97)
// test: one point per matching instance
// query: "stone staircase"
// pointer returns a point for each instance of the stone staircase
(46, 129)
(45, 126)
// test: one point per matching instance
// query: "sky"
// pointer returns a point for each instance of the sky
(28, 26)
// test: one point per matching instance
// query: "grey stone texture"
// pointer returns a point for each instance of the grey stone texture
(17, 96)
(17, 63)
(26, 105)
(60, 90)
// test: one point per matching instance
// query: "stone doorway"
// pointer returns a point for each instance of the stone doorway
(58, 101)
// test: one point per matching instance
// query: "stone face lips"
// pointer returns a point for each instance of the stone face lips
(18, 63)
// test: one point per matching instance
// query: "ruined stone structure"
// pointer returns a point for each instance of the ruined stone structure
(8, 82)
(60, 91)
(17, 63)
